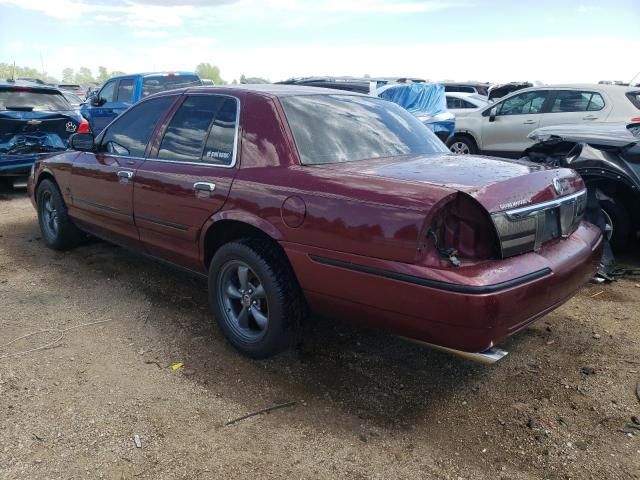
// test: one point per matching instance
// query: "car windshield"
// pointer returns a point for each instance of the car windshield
(32, 99)
(73, 99)
(155, 84)
(344, 128)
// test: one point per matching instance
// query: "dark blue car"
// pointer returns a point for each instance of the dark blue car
(35, 120)
(119, 93)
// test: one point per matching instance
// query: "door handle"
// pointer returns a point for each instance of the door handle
(529, 122)
(204, 186)
(590, 117)
(126, 174)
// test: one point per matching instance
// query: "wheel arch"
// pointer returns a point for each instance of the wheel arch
(45, 174)
(225, 227)
(618, 189)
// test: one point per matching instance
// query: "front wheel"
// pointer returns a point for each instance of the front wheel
(58, 230)
(254, 297)
(463, 145)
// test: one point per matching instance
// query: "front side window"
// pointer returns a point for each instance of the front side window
(203, 129)
(523, 104)
(125, 90)
(344, 128)
(107, 93)
(130, 133)
(574, 101)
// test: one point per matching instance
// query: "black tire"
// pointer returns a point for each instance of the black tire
(621, 224)
(58, 230)
(463, 144)
(282, 300)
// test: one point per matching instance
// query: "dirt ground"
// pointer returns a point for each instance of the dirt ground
(367, 405)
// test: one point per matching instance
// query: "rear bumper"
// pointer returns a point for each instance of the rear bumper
(469, 309)
(16, 166)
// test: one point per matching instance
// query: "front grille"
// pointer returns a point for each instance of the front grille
(526, 229)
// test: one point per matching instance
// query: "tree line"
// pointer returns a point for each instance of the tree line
(84, 75)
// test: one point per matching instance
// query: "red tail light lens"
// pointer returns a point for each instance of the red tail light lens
(84, 127)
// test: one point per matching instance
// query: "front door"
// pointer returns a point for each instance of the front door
(102, 183)
(516, 117)
(187, 177)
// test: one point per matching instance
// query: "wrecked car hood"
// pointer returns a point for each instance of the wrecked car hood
(614, 135)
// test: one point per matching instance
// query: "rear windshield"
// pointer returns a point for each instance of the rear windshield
(345, 128)
(32, 99)
(151, 85)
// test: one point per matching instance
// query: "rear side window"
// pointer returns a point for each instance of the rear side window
(125, 90)
(221, 141)
(158, 83)
(32, 100)
(201, 120)
(457, 103)
(574, 101)
(129, 133)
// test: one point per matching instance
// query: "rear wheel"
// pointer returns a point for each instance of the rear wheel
(463, 145)
(58, 230)
(254, 297)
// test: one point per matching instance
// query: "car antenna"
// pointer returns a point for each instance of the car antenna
(13, 72)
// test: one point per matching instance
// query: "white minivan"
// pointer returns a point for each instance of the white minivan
(502, 128)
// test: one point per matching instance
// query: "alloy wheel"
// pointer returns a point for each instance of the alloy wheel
(243, 298)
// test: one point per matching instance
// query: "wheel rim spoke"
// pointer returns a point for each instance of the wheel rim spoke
(258, 292)
(233, 291)
(243, 277)
(260, 318)
(243, 318)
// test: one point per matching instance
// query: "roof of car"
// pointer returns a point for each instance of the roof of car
(25, 83)
(151, 74)
(277, 90)
(584, 86)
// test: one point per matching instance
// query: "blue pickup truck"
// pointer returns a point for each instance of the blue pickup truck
(119, 93)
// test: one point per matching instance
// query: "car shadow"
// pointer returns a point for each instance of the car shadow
(368, 374)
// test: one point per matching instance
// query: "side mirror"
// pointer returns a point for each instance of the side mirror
(492, 114)
(96, 101)
(83, 142)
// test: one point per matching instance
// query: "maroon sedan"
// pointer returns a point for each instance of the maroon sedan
(295, 200)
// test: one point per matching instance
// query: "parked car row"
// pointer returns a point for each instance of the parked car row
(294, 199)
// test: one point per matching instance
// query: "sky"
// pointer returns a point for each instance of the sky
(485, 40)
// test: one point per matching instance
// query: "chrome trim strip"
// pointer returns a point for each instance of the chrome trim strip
(518, 213)
(148, 218)
(101, 206)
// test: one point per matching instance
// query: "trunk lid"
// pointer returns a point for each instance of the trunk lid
(497, 184)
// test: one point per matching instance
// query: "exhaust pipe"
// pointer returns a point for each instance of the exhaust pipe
(488, 357)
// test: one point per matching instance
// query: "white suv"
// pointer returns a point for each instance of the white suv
(502, 127)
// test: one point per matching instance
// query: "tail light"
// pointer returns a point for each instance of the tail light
(460, 230)
(84, 126)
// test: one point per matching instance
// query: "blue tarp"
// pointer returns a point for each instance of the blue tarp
(427, 101)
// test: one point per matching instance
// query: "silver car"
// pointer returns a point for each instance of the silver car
(502, 128)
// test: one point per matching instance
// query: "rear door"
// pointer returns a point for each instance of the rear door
(575, 106)
(516, 117)
(187, 177)
(102, 182)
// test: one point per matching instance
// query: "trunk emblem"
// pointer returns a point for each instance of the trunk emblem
(34, 122)
(71, 127)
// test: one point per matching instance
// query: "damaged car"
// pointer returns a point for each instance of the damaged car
(293, 199)
(608, 159)
(35, 121)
